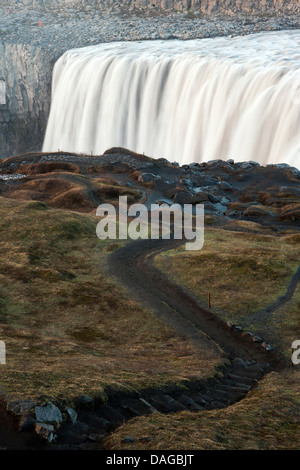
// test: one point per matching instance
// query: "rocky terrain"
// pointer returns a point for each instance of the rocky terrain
(246, 191)
(237, 197)
(34, 34)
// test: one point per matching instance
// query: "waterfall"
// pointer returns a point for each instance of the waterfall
(187, 101)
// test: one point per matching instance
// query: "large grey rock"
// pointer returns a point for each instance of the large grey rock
(48, 413)
(20, 407)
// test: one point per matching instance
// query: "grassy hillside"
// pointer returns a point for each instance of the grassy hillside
(244, 273)
(68, 328)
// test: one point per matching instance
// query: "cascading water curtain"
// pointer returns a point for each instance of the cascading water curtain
(187, 101)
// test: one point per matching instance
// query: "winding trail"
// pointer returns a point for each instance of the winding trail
(246, 362)
(132, 265)
(265, 313)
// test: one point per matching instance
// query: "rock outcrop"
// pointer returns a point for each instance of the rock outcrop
(26, 71)
(204, 6)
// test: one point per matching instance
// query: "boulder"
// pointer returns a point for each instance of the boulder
(201, 196)
(48, 413)
(85, 400)
(245, 165)
(148, 177)
(225, 186)
(72, 414)
(183, 197)
(20, 407)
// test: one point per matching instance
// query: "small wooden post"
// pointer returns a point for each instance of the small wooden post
(208, 300)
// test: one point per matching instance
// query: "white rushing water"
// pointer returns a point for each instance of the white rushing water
(187, 101)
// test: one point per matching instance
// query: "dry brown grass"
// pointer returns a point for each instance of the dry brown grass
(72, 191)
(70, 329)
(243, 272)
(47, 167)
(285, 324)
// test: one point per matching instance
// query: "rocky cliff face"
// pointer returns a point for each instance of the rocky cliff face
(205, 6)
(222, 6)
(26, 71)
(34, 33)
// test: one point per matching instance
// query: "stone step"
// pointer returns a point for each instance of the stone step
(174, 404)
(135, 407)
(147, 404)
(157, 403)
(237, 383)
(250, 373)
(231, 389)
(111, 415)
(201, 400)
(218, 390)
(220, 397)
(166, 404)
(94, 422)
(217, 405)
(189, 403)
(235, 388)
(243, 362)
(260, 367)
(226, 381)
(196, 407)
(242, 379)
(203, 397)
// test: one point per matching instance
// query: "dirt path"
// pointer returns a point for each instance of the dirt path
(264, 314)
(132, 266)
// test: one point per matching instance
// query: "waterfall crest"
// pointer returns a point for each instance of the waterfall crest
(187, 101)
